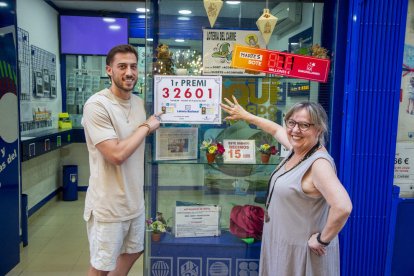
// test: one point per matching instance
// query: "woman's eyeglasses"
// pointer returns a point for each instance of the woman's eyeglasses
(303, 126)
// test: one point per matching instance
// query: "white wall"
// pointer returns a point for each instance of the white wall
(40, 176)
(41, 21)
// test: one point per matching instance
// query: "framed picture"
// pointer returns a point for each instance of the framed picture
(178, 143)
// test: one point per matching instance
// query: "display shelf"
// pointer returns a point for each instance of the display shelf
(204, 162)
(43, 142)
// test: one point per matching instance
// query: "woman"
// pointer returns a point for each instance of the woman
(306, 205)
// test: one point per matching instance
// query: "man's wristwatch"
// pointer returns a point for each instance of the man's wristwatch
(318, 238)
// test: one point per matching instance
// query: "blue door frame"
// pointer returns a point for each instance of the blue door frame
(366, 102)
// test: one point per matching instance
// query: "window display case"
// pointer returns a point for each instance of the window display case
(177, 44)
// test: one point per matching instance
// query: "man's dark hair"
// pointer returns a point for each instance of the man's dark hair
(125, 48)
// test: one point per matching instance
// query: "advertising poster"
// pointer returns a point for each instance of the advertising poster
(218, 46)
(281, 63)
(188, 99)
(403, 166)
(9, 144)
(406, 111)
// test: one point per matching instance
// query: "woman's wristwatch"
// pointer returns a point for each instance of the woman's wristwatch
(318, 238)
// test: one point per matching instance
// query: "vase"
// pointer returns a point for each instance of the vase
(265, 158)
(210, 157)
(155, 237)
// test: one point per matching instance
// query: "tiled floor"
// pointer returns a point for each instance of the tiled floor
(58, 244)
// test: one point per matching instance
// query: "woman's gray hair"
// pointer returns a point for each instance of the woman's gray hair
(317, 116)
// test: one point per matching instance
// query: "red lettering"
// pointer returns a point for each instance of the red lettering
(289, 63)
(280, 62)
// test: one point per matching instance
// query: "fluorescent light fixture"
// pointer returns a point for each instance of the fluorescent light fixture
(142, 16)
(183, 18)
(150, 39)
(233, 2)
(142, 10)
(3, 4)
(179, 40)
(184, 12)
(108, 19)
(114, 27)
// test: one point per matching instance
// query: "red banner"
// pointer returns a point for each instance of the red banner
(281, 63)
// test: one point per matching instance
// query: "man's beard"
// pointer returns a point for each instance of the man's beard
(120, 86)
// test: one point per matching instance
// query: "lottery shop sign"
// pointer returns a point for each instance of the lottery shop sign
(281, 63)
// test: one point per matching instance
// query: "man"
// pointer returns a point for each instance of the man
(115, 130)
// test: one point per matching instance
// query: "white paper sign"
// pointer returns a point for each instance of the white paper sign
(197, 221)
(403, 165)
(239, 151)
(188, 99)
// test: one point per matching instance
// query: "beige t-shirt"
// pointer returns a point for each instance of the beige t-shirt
(115, 193)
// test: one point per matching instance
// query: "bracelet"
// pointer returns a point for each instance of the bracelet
(318, 238)
(147, 126)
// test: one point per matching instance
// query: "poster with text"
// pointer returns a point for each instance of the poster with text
(218, 45)
(188, 99)
(403, 166)
(406, 110)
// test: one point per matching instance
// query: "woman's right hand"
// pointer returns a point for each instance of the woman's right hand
(235, 111)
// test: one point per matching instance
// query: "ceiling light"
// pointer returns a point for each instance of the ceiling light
(150, 39)
(142, 10)
(233, 2)
(3, 4)
(183, 18)
(184, 12)
(114, 27)
(108, 19)
(179, 40)
(142, 16)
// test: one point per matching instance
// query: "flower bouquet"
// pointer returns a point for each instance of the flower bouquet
(212, 149)
(157, 227)
(266, 151)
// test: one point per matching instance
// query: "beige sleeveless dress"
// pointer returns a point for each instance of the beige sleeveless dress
(294, 217)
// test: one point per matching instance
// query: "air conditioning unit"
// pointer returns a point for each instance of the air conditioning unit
(289, 15)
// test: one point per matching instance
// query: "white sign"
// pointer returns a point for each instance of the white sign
(218, 46)
(188, 99)
(197, 221)
(239, 151)
(403, 165)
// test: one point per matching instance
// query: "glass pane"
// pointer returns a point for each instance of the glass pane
(181, 44)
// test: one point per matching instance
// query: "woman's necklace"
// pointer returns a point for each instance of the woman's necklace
(269, 198)
(122, 109)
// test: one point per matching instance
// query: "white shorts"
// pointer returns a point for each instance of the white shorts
(107, 240)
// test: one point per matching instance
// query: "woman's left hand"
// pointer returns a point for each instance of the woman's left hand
(235, 111)
(315, 246)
